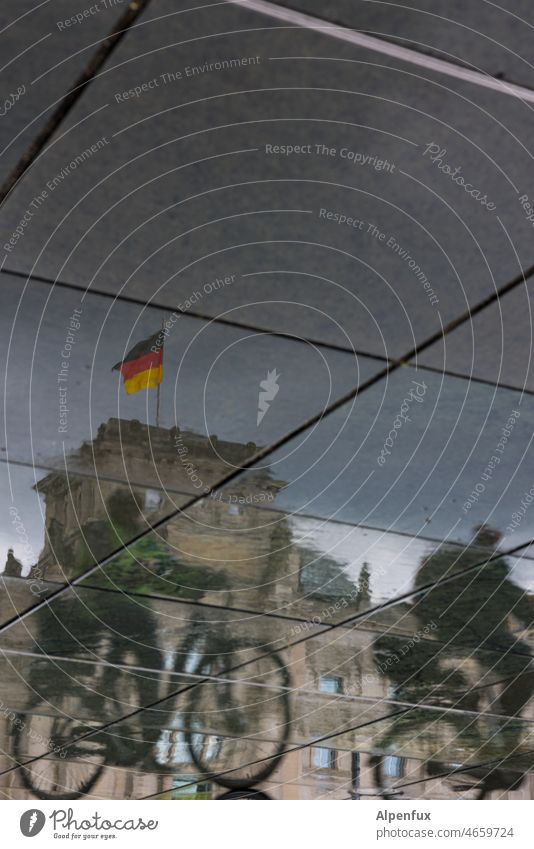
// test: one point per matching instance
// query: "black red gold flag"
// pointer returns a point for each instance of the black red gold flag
(142, 367)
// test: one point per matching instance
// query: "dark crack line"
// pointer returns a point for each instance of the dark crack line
(98, 59)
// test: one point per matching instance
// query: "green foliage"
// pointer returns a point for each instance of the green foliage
(149, 566)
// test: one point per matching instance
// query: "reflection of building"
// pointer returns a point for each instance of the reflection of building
(226, 553)
(150, 455)
(118, 488)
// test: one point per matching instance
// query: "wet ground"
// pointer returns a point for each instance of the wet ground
(302, 565)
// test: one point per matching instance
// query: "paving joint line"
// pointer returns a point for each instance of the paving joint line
(109, 43)
(199, 316)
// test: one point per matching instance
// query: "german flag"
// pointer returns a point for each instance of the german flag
(142, 367)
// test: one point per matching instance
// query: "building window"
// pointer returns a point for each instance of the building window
(323, 758)
(393, 766)
(330, 684)
(183, 789)
(153, 499)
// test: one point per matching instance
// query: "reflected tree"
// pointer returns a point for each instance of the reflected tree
(464, 653)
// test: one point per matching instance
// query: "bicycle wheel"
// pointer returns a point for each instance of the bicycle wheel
(66, 771)
(253, 724)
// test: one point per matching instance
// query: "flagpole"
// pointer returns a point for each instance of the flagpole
(159, 384)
